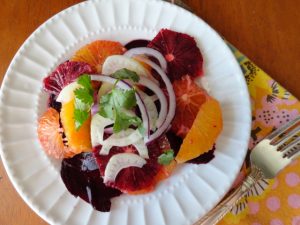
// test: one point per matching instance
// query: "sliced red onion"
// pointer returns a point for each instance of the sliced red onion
(109, 130)
(151, 109)
(150, 52)
(124, 85)
(172, 99)
(95, 108)
(161, 96)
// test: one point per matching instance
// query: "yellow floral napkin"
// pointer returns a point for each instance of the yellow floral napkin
(271, 202)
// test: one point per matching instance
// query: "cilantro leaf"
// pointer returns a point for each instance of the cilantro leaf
(84, 100)
(124, 121)
(166, 158)
(85, 81)
(84, 96)
(115, 105)
(106, 106)
(80, 116)
(124, 98)
(126, 74)
(81, 105)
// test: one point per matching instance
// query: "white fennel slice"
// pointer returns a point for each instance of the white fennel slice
(104, 89)
(142, 148)
(123, 138)
(67, 93)
(117, 62)
(139, 144)
(98, 124)
(121, 161)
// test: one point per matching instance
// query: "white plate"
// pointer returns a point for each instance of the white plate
(185, 196)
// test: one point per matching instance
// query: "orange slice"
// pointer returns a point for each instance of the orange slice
(189, 98)
(50, 135)
(206, 128)
(164, 173)
(96, 52)
(78, 140)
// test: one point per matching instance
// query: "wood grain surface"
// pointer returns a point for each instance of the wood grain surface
(267, 31)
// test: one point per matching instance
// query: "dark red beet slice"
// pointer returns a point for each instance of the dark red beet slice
(82, 178)
(137, 43)
(181, 52)
(134, 179)
(64, 74)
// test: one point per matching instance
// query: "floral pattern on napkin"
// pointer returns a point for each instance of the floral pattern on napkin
(272, 202)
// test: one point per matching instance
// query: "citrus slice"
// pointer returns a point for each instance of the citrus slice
(189, 98)
(203, 133)
(162, 174)
(78, 140)
(64, 74)
(181, 52)
(50, 135)
(134, 180)
(96, 52)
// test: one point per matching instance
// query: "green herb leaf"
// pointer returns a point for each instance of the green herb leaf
(126, 74)
(124, 121)
(85, 81)
(124, 98)
(80, 116)
(166, 158)
(116, 105)
(84, 96)
(106, 106)
(83, 100)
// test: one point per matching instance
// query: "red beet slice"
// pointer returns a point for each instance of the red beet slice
(181, 52)
(82, 178)
(134, 179)
(64, 74)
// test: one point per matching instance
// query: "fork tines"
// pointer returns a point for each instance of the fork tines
(287, 138)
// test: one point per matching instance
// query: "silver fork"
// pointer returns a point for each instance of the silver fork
(268, 158)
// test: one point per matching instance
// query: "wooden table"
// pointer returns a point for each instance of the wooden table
(267, 31)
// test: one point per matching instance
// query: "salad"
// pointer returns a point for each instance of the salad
(122, 117)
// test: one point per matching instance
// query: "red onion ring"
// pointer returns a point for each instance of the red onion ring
(172, 99)
(150, 52)
(95, 108)
(161, 96)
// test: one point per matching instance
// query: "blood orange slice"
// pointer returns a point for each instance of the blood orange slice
(50, 135)
(181, 52)
(203, 133)
(96, 52)
(134, 180)
(64, 74)
(189, 98)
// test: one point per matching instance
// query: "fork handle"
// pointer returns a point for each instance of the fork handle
(217, 213)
